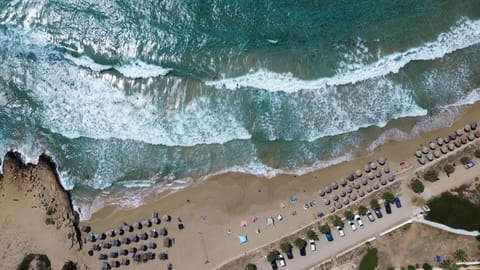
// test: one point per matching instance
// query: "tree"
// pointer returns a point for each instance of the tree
(69, 265)
(460, 255)
(349, 215)
(477, 153)
(311, 235)
(272, 255)
(389, 197)
(427, 266)
(250, 266)
(410, 267)
(374, 204)
(448, 168)
(448, 265)
(337, 221)
(431, 175)
(464, 160)
(417, 186)
(286, 247)
(300, 243)
(362, 210)
(324, 228)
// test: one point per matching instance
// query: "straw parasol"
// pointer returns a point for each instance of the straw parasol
(90, 252)
(364, 181)
(463, 140)
(424, 150)
(421, 161)
(124, 252)
(343, 182)
(358, 173)
(366, 168)
(373, 166)
(96, 247)
(383, 181)
(326, 201)
(163, 256)
(350, 177)
(125, 261)
(105, 266)
(361, 193)
(459, 132)
(332, 209)
(144, 236)
(128, 228)
(343, 193)
(102, 256)
(439, 141)
(334, 185)
(391, 177)
(338, 205)
(106, 245)
(138, 226)
(132, 250)
(433, 146)
(102, 236)
(147, 223)
(371, 176)
(457, 143)
(471, 137)
(466, 128)
(437, 154)
(348, 189)
(152, 245)
(143, 247)
(114, 254)
(451, 146)
(119, 231)
(418, 154)
(369, 189)
(167, 218)
(155, 220)
(91, 237)
(452, 136)
(335, 197)
(115, 264)
(110, 233)
(378, 174)
(153, 234)
(321, 193)
(376, 186)
(356, 185)
(430, 157)
(353, 197)
(386, 169)
(167, 242)
(381, 161)
(446, 139)
(345, 201)
(477, 134)
(328, 189)
(473, 125)
(163, 231)
(443, 149)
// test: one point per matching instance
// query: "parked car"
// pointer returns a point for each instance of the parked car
(274, 265)
(469, 165)
(354, 228)
(359, 221)
(378, 213)
(340, 231)
(313, 246)
(329, 236)
(398, 203)
(370, 216)
(289, 254)
(388, 209)
(303, 252)
(281, 260)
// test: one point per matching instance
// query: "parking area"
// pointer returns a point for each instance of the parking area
(326, 249)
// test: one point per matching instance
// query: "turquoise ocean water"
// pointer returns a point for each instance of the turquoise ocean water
(130, 95)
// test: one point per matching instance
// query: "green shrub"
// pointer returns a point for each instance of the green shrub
(49, 221)
(389, 197)
(374, 204)
(448, 168)
(417, 186)
(464, 160)
(337, 221)
(250, 266)
(272, 255)
(300, 243)
(324, 228)
(362, 210)
(410, 267)
(349, 215)
(417, 266)
(477, 153)
(41, 258)
(69, 266)
(286, 247)
(369, 261)
(431, 175)
(427, 266)
(311, 235)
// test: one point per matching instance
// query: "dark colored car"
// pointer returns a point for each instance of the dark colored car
(388, 209)
(303, 252)
(274, 265)
(329, 236)
(378, 213)
(289, 254)
(398, 203)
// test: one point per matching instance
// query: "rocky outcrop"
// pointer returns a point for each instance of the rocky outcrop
(43, 182)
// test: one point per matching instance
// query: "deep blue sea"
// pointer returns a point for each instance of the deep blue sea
(140, 94)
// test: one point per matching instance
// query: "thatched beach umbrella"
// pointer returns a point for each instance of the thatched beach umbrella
(137, 257)
(429, 157)
(356, 185)
(114, 254)
(348, 189)
(334, 197)
(369, 189)
(338, 205)
(138, 225)
(477, 134)
(452, 136)
(463, 140)
(332, 209)
(163, 231)
(421, 161)
(328, 189)
(326, 201)
(383, 181)
(90, 252)
(353, 197)
(143, 247)
(155, 220)
(85, 229)
(443, 149)
(437, 153)
(391, 177)
(105, 266)
(167, 242)
(350, 177)
(433, 146)
(167, 218)
(152, 245)
(144, 236)
(91, 237)
(111, 233)
(345, 201)
(457, 143)
(115, 264)
(132, 250)
(471, 137)
(364, 181)
(376, 186)
(134, 238)
(378, 174)
(334, 185)
(119, 231)
(459, 132)
(102, 236)
(117, 243)
(124, 252)
(125, 261)
(361, 193)
(343, 193)
(163, 256)
(366, 168)
(440, 141)
(473, 125)
(358, 173)
(424, 150)
(106, 245)
(446, 139)
(466, 128)
(96, 247)
(147, 223)
(343, 182)
(371, 176)
(418, 154)
(373, 166)
(386, 169)
(153, 234)
(321, 192)
(381, 161)
(102, 256)
(451, 146)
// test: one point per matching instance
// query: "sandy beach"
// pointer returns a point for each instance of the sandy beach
(212, 211)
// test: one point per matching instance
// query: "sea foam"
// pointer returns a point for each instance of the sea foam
(464, 34)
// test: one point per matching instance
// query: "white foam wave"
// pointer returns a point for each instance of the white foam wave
(393, 134)
(87, 62)
(464, 34)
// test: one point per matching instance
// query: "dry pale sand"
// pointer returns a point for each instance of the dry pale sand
(210, 208)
